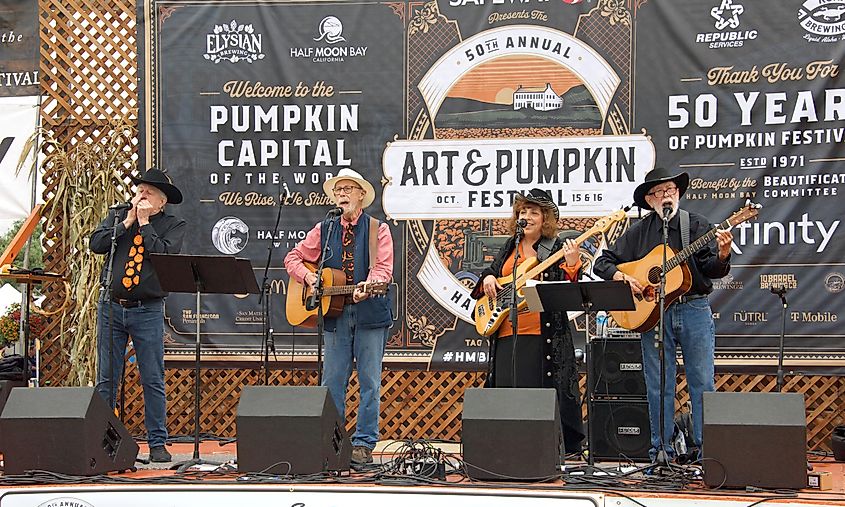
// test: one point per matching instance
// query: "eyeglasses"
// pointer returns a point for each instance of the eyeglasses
(667, 192)
(345, 189)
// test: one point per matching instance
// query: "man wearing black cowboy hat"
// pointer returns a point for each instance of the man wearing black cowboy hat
(137, 301)
(689, 321)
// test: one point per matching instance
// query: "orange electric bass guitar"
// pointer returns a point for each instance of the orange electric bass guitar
(491, 313)
(298, 306)
(647, 271)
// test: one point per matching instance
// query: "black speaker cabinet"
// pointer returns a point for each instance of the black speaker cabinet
(290, 426)
(755, 439)
(511, 434)
(620, 430)
(617, 367)
(68, 430)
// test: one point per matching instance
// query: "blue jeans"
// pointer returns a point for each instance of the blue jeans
(145, 324)
(689, 325)
(366, 347)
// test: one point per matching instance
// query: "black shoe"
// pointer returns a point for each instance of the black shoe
(159, 454)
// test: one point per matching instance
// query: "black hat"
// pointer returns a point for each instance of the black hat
(655, 177)
(540, 198)
(157, 178)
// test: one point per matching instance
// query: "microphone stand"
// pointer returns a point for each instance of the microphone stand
(662, 459)
(513, 304)
(781, 293)
(268, 343)
(106, 299)
(316, 296)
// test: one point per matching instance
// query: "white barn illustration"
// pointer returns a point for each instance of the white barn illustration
(540, 99)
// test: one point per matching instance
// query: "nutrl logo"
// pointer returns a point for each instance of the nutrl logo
(727, 14)
(331, 30)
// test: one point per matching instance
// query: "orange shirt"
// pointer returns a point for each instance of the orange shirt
(529, 322)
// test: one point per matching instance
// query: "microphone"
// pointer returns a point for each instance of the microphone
(521, 223)
(780, 290)
(334, 212)
(667, 210)
(121, 205)
(287, 190)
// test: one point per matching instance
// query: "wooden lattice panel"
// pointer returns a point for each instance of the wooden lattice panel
(422, 404)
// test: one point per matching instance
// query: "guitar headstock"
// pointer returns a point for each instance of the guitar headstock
(747, 212)
(604, 223)
(375, 288)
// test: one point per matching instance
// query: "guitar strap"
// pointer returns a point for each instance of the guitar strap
(373, 241)
(544, 249)
(683, 216)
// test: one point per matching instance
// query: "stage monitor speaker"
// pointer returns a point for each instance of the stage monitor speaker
(67, 430)
(620, 430)
(290, 430)
(511, 434)
(755, 439)
(617, 367)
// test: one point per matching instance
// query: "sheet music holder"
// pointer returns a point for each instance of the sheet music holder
(587, 296)
(202, 274)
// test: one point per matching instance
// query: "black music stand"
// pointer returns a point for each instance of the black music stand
(588, 297)
(209, 274)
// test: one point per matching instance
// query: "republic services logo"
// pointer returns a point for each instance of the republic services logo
(330, 31)
(233, 42)
(727, 14)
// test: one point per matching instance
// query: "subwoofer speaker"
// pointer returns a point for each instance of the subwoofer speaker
(290, 429)
(620, 430)
(511, 434)
(68, 430)
(755, 439)
(617, 367)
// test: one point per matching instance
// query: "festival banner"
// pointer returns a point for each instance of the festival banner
(19, 88)
(451, 108)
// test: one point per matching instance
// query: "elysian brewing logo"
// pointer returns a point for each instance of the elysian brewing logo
(330, 33)
(823, 20)
(726, 15)
(233, 42)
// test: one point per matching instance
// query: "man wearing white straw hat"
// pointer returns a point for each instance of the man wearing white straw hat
(362, 247)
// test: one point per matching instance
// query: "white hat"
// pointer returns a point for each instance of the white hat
(350, 174)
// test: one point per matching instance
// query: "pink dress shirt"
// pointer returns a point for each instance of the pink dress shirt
(308, 250)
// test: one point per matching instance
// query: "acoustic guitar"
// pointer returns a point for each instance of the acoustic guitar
(298, 305)
(490, 313)
(648, 269)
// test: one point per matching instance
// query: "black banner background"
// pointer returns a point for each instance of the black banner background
(683, 70)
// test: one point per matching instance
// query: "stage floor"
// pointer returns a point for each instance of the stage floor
(154, 484)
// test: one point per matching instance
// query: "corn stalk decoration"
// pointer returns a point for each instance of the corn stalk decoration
(86, 177)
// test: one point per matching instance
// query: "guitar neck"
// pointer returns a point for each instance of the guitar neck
(695, 246)
(556, 256)
(339, 290)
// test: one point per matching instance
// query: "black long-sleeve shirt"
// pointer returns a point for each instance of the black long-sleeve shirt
(164, 234)
(646, 234)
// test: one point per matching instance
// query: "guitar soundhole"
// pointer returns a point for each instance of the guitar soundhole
(654, 275)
